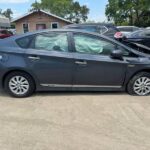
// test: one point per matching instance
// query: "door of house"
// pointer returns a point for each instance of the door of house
(40, 26)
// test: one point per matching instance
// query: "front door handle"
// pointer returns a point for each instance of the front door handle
(81, 62)
(34, 57)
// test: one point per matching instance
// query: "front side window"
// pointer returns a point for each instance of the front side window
(51, 42)
(92, 45)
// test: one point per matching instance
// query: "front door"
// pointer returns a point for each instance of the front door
(40, 26)
(94, 66)
(50, 60)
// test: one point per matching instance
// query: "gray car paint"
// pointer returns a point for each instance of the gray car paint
(58, 70)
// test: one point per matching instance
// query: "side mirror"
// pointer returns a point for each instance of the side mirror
(117, 54)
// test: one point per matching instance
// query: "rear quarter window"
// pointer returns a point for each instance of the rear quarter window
(24, 42)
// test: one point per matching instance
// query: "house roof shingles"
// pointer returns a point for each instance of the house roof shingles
(50, 14)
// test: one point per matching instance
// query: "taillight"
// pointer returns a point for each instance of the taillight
(118, 35)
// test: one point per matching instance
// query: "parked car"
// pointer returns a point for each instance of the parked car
(13, 31)
(141, 37)
(5, 33)
(71, 60)
(104, 29)
(125, 31)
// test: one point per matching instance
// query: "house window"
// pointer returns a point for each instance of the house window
(25, 27)
(54, 25)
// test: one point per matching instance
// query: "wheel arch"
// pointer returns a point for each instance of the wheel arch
(18, 70)
(137, 72)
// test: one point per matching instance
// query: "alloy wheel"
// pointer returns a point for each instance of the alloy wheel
(19, 85)
(142, 86)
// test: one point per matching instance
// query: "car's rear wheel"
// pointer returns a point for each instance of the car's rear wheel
(139, 84)
(19, 84)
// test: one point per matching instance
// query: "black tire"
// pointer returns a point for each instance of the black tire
(31, 84)
(130, 86)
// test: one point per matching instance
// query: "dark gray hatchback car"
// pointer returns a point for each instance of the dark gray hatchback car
(71, 60)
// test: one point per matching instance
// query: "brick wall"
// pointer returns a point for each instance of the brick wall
(38, 18)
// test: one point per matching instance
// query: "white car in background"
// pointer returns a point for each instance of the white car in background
(125, 31)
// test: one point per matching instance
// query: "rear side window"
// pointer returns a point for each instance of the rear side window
(24, 42)
(51, 42)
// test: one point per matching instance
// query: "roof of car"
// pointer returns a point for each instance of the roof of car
(127, 27)
(54, 30)
(90, 24)
(14, 38)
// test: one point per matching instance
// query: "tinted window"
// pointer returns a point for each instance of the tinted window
(4, 32)
(126, 29)
(135, 28)
(136, 34)
(51, 42)
(24, 42)
(86, 28)
(92, 45)
(147, 33)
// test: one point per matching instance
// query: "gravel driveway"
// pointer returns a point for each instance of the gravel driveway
(75, 121)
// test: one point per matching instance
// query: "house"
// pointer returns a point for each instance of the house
(4, 22)
(38, 20)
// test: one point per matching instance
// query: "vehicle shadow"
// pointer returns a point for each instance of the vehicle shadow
(72, 93)
(67, 93)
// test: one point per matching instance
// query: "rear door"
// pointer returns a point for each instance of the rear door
(50, 59)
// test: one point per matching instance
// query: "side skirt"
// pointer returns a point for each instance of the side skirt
(60, 87)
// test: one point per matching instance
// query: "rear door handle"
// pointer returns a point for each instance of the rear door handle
(34, 57)
(81, 62)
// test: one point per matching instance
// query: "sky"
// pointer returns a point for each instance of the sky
(19, 7)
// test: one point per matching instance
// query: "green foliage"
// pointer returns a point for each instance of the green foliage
(68, 9)
(134, 12)
(7, 13)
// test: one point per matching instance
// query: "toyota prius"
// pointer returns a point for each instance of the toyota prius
(71, 60)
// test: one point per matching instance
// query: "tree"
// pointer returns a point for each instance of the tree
(35, 6)
(0, 11)
(8, 13)
(130, 11)
(68, 9)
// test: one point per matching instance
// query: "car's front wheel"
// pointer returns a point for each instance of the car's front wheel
(139, 84)
(19, 84)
